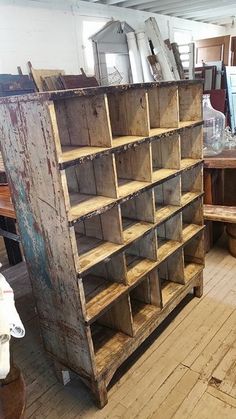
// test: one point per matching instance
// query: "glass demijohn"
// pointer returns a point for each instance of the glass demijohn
(213, 129)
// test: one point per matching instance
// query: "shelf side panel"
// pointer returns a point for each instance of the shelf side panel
(192, 143)
(194, 251)
(37, 192)
(119, 316)
(190, 102)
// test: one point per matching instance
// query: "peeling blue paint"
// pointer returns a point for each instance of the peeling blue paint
(33, 242)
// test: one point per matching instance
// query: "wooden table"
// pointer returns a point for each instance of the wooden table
(224, 160)
(220, 193)
(8, 226)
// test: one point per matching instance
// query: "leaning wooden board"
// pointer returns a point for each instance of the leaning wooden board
(108, 194)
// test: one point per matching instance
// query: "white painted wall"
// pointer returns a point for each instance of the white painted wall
(229, 30)
(49, 32)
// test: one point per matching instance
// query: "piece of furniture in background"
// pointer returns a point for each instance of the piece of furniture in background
(231, 90)
(8, 226)
(208, 74)
(220, 80)
(12, 85)
(48, 80)
(187, 58)
(111, 54)
(214, 49)
(218, 99)
(220, 194)
(38, 76)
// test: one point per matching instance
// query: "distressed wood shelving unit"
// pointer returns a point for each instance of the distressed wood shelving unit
(107, 188)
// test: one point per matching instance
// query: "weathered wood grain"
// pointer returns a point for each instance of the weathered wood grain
(113, 236)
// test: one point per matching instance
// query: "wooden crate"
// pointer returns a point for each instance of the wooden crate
(107, 188)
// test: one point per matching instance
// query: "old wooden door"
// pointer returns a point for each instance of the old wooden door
(214, 49)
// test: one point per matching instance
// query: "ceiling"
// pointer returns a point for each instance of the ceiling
(219, 12)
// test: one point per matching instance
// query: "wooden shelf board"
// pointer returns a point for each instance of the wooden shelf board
(108, 344)
(191, 270)
(138, 267)
(99, 294)
(82, 204)
(86, 205)
(166, 248)
(189, 230)
(221, 213)
(161, 174)
(134, 229)
(78, 154)
(70, 153)
(127, 186)
(165, 211)
(188, 197)
(92, 251)
(142, 313)
(93, 91)
(183, 124)
(188, 163)
(120, 141)
(169, 290)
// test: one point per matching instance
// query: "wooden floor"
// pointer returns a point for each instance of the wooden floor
(187, 370)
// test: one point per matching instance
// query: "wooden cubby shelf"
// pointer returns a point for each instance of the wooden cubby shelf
(109, 180)
(133, 167)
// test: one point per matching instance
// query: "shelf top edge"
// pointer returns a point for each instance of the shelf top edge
(92, 91)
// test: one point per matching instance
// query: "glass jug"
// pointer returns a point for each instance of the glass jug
(213, 129)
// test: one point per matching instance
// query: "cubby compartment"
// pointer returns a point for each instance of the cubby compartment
(190, 102)
(192, 215)
(91, 185)
(191, 183)
(165, 157)
(81, 124)
(163, 107)
(169, 236)
(111, 331)
(141, 257)
(137, 213)
(134, 169)
(191, 145)
(145, 300)
(167, 197)
(194, 253)
(171, 276)
(129, 115)
(98, 237)
(103, 284)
